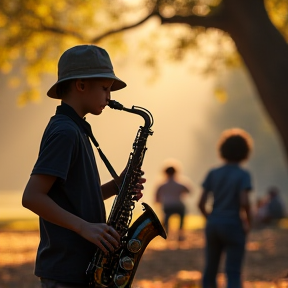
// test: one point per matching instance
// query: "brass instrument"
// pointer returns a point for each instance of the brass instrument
(118, 269)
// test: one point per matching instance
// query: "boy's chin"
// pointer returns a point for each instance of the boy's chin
(96, 112)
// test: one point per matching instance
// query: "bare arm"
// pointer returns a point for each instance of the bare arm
(245, 210)
(35, 198)
(157, 197)
(110, 188)
(202, 203)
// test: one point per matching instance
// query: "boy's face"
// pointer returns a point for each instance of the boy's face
(97, 94)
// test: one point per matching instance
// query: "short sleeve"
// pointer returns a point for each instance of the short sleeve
(56, 154)
(207, 183)
(246, 182)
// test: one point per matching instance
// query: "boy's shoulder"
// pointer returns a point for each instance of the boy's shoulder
(235, 169)
(228, 167)
(61, 121)
(62, 124)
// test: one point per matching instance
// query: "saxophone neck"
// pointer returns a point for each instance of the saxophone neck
(147, 116)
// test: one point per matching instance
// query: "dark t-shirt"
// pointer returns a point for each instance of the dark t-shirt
(226, 183)
(66, 153)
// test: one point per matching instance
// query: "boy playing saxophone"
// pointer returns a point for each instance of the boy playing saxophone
(64, 188)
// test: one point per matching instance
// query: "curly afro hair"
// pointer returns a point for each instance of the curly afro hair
(235, 145)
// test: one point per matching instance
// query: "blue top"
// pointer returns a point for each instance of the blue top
(226, 183)
(66, 153)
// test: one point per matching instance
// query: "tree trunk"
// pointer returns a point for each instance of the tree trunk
(265, 53)
(263, 49)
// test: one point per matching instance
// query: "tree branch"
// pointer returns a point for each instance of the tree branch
(153, 12)
(128, 27)
(60, 31)
(216, 19)
(98, 38)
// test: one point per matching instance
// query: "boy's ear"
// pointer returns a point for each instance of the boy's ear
(80, 85)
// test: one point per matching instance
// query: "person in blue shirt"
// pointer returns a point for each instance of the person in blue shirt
(229, 220)
(275, 206)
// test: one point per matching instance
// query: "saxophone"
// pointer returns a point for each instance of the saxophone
(118, 269)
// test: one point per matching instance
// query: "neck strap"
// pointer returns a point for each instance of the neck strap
(65, 109)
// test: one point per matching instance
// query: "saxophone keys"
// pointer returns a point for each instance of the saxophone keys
(126, 263)
(121, 280)
(134, 245)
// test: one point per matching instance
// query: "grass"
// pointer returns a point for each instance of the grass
(19, 224)
(16, 218)
(30, 224)
(16, 254)
(192, 222)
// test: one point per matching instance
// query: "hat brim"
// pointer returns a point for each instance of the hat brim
(117, 85)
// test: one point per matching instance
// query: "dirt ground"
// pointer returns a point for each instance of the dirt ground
(164, 261)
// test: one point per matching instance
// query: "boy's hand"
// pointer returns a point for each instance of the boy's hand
(138, 189)
(102, 235)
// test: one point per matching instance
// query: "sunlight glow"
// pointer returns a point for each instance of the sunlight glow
(167, 11)
(221, 95)
(201, 10)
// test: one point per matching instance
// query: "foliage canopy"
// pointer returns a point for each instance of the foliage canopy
(34, 33)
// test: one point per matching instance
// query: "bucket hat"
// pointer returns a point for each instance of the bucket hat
(85, 61)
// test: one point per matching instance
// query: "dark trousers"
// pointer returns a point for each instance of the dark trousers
(169, 211)
(224, 237)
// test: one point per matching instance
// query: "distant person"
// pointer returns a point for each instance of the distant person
(169, 195)
(275, 205)
(270, 209)
(261, 212)
(229, 221)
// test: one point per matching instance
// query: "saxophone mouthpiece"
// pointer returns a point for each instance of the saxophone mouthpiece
(115, 105)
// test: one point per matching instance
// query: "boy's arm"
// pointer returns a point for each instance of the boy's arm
(202, 203)
(110, 188)
(35, 198)
(246, 210)
(157, 196)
